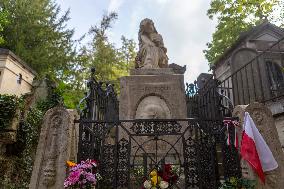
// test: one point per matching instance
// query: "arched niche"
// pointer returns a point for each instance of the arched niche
(153, 107)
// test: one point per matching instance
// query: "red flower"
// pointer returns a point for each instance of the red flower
(166, 177)
(168, 168)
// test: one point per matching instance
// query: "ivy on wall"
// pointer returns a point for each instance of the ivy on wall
(20, 155)
(9, 105)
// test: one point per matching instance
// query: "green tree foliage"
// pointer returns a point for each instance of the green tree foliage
(102, 54)
(127, 53)
(110, 62)
(37, 33)
(236, 16)
(3, 22)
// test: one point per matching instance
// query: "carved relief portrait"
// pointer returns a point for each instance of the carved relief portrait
(153, 107)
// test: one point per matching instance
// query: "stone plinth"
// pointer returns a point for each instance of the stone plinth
(158, 71)
(152, 96)
(264, 121)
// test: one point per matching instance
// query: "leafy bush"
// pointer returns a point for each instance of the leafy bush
(238, 183)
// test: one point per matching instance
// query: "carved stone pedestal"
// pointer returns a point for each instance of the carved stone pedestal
(158, 94)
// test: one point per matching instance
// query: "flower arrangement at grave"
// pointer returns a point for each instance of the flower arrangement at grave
(82, 175)
(161, 178)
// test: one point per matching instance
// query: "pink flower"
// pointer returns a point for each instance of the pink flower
(81, 174)
(91, 177)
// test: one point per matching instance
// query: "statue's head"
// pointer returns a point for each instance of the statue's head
(147, 26)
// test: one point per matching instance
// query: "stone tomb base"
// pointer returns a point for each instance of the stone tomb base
(158, 94)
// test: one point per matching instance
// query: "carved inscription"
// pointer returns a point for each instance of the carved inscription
(151, 88)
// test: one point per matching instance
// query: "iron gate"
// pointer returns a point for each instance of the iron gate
(128, 150)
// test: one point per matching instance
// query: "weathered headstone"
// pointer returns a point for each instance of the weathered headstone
(53, 150)
(264, 121)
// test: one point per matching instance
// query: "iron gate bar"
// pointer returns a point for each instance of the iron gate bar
(161, 140)
(140, 146)
(133, 139)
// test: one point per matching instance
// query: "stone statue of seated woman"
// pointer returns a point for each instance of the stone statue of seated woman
(152, 52)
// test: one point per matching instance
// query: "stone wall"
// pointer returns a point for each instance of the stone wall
(10, 67)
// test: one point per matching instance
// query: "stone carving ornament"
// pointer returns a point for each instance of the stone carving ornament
(152, 52)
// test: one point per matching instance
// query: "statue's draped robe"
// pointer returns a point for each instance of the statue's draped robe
(153, 56)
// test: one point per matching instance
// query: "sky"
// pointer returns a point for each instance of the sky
(183, 24)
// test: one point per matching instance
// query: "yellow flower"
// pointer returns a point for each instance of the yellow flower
(155, 180)
(153, 173)
(71, 164)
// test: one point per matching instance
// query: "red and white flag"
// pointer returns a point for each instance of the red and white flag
(255, 150)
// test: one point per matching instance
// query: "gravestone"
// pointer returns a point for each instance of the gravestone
(264, 121)
(153, 90)
(53, 150)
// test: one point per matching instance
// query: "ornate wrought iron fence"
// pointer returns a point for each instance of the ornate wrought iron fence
(100, 102)
(259, 80)
(209, 102)
(192, 145)
(128, 150)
